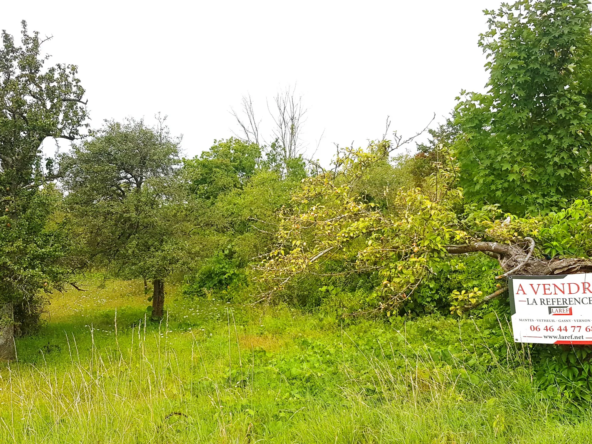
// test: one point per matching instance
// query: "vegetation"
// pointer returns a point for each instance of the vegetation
(218, 372)
(36, 102)
(125, 202)
(365, 301)
(526, 142)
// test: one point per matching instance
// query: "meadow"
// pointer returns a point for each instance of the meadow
(100, 371)
(365, 300)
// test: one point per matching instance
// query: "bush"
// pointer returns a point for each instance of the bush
(563, 372)
(218, 273)
(457, 274)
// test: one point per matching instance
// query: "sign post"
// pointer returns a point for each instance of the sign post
(552, 309)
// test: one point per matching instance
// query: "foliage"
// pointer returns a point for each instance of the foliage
(227, 165)
(463, 299)
(526, 143)
(425, 163)
(564, 372)
(220, 372)
(236, 223)
(396, 241)
(290, 168)
(568, 232)
(33, 258)
(457, 275)
(36, 102)
(218, 273)
(564, 233)
(32, 249)
(126, 200)
(251, 214)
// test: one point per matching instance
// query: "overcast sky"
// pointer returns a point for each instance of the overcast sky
(353, 63)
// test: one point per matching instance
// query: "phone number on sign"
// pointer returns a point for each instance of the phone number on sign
(562, 328)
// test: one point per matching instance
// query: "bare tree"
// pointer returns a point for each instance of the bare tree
(248, 123)
(288, 116)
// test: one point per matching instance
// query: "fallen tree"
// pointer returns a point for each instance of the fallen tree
(402, 236)
(515, 260)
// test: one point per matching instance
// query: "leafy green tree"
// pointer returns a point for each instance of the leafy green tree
(235, 196)
(127, 200)
(37, 101)
(225, 166)
(526, 142)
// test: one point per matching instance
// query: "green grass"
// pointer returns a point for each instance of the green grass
(99, 372)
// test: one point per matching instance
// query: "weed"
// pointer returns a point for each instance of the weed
(215, 372)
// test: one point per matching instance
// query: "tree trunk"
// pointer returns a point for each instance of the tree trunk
(158, 299)
(7, 348)
(516, 261)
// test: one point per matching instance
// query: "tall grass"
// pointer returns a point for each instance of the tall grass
(213, 372)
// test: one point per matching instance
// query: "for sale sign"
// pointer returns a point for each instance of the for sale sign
(552, 309)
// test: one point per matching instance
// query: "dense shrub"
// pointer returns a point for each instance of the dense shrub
(218, 273)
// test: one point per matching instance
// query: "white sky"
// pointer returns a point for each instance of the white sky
(354, 63)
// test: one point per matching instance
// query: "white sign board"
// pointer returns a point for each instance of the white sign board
(552, 309)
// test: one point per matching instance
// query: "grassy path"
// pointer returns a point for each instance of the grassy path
(214, 372)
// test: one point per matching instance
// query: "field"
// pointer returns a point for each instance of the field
(99, 372)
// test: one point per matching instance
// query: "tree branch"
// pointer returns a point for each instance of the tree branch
(260, 230)
(76, 286)
(70, 138)
(399, 142)
(523, 263)
(73, 99)
(492, 247)
(321, 254)
(486, 299)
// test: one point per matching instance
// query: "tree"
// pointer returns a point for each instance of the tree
(125, 194)
(225, 166)
(36, 102)
(288, 116)
(333, 229)
(288, 119)
(526, 143)
(251, 126)
(235, 194)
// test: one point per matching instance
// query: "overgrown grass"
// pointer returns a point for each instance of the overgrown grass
(100, 372)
